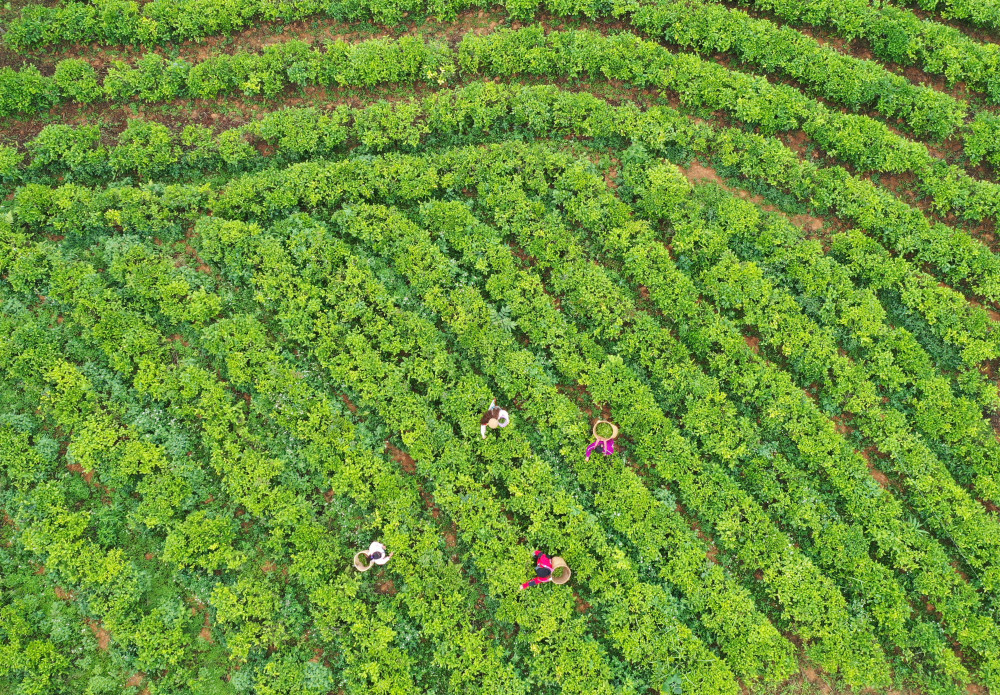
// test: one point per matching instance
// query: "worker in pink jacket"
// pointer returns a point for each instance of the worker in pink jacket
(543, 570)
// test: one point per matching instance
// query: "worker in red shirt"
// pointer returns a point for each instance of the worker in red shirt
(543, 570)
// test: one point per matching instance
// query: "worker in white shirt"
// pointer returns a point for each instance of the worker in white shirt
(494, 417)
(376, 553)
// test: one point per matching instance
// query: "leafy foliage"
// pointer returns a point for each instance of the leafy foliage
(229, 359)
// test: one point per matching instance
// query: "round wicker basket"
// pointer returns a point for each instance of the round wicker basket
(560, 577)
(359, 562)
(614, 431)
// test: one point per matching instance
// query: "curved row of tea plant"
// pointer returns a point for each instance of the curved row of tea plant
(861, 141)
(579, 560)
(119, 22)
(979, 13)
(289, 202)
(847, 317)
(954, 321)
(896, 35)
(539, 110)
(579, 359)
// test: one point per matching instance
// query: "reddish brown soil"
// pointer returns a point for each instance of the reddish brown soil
(527, 261)
(698, 172)
(840, 423)
(992, 313)
(579, 394)
(428, 500)
(102, 635)
(812, 392)
(713, 550)
(404, 460)
(350, 404)
(206, 630)
(201, 265)
(88, 476)
(813, 676)
(879, 476)
(611, 176)
(958, 570)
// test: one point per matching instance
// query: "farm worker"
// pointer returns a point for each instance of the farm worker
(494, 417)
(543, 570)
(604, 438)
(607, 446)
(376, 553)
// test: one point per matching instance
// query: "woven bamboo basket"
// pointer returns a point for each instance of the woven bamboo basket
(560, 577)
(359, 562)
(614, 431)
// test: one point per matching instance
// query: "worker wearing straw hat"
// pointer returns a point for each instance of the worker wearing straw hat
(376, 553)
(494, 417)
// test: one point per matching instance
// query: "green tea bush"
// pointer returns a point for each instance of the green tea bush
(77, 80)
